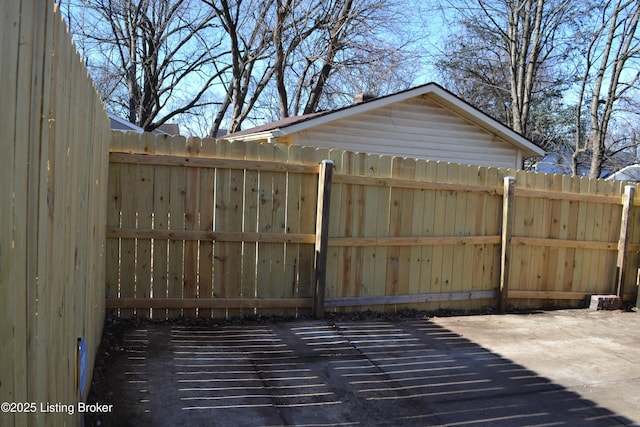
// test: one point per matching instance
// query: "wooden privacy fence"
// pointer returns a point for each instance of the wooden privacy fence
(218, 228)
(53, 184)
(224, 228)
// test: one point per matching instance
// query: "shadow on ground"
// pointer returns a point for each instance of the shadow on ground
(325, 373)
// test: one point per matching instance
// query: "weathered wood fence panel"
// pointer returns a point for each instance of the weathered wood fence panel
(53, 182)
(403, 233)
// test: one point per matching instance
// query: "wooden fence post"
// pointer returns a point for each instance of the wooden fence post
(507, 229)
(322, 236)
(621, 266)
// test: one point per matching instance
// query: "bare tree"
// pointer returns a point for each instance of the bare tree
(152, 59)
(247, 32)
(610, 72)
(356, 47)
(510, 49)
(298, 54)
(156, 59)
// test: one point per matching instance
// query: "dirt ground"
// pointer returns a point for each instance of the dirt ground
(567, 367)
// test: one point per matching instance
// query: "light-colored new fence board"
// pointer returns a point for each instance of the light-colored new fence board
(206, 213)
(161, 197)
(335, 255)
(417, 228)
(144, 199)
(278, 280)
(427, 172)
(292, 255)
(53, 183)
(234, 201)
(128, 174)
(406, 170)
(191, 222)
(177, 207)
(307, 211)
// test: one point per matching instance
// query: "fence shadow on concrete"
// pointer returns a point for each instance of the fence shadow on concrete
(332, 373)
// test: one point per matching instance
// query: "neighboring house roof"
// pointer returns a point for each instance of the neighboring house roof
(629, 173)
(122, 125)
(170, 128)
(295, 124)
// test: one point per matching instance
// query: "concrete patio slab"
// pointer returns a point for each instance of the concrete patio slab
(554, 368)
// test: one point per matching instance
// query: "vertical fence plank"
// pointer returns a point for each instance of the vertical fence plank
(13, 356)
(205, 253)
(177, 208)
(28, 331)
(221, 276)
(370, 227)
(556, 230)
(418, 214)
(408, 171)
(266, 251)
(292, 250)
(439, 224)
(358, 224)
(448, 251)
(114, 206)
(161, 207)
(565, 276)
(250, 225)
(482, 254)
(344, 263)
(128, 175)
(235, 206)
(507, 230)
(598, 259)
(278, 286)
(350, 274)
(460, 220)
(308, 207)
(144, 198)
(541, 226)
(466, 278)
(428, 211)
(611, 232)
(521, 272)
(335, 254)
(493, 224)
(191, 222)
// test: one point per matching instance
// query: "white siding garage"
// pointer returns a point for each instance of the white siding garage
(425, 122)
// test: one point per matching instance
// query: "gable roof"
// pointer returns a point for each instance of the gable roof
(447, 99)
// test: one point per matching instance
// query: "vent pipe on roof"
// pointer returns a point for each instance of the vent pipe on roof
(362, 97)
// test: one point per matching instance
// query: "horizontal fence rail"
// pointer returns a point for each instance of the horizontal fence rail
(217, 228)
